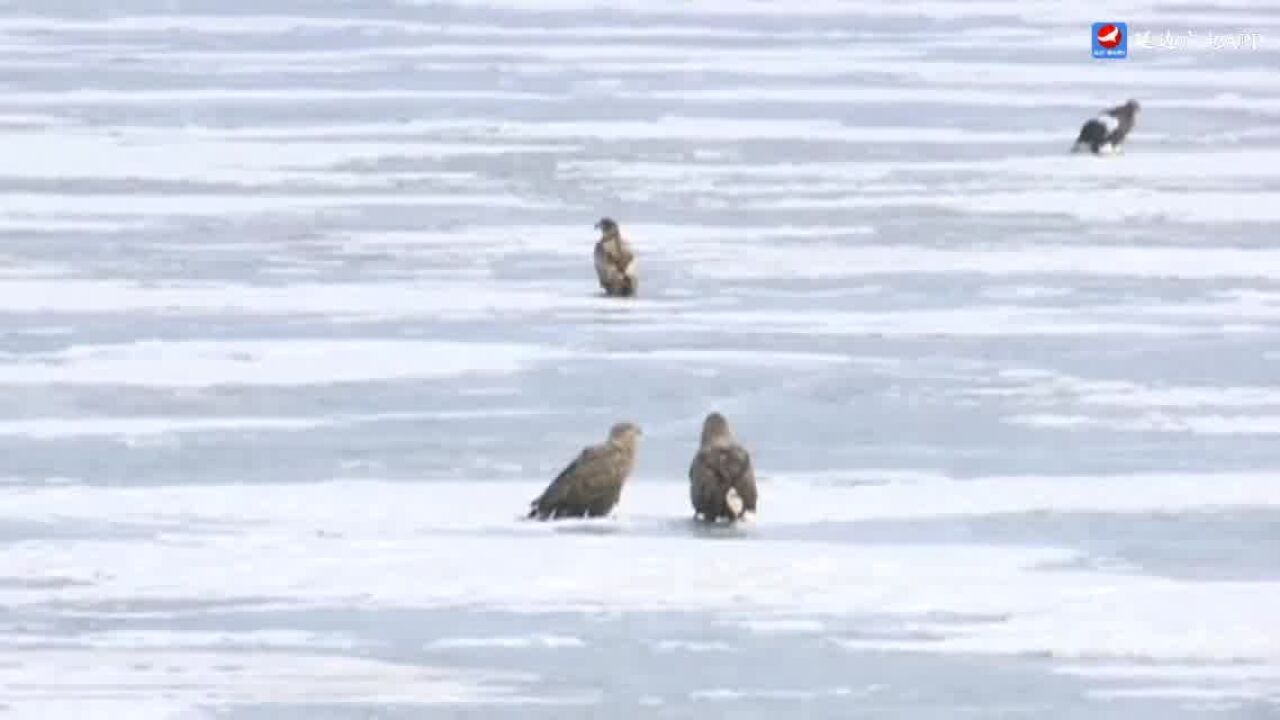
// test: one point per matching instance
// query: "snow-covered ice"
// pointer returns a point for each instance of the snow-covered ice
(297, 314)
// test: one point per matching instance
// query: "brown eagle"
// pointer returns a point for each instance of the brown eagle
(615, 262)
(722, 482)
(591, 485)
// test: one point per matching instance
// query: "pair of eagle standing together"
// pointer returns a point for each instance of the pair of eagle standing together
(722, 482)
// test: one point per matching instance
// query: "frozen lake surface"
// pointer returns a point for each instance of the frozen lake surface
(297, 314)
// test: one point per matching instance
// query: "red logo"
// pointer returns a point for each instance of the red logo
(1109, 36)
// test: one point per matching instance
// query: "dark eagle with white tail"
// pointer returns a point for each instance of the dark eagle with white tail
(591, 485)
(722, 482)
(1103, 135)
(615, 262)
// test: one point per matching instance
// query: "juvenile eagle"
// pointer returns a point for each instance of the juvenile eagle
(591, 485)
(1104, 134)
(722, 483)
(615, 262)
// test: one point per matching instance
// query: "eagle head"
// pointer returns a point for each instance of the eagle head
(607, 226)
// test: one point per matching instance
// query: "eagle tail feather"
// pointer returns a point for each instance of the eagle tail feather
(733, 501)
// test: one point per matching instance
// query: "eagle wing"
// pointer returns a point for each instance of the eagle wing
(625, 258)
(613, 257)
(604, 269)
(596, 474)
(745, 479)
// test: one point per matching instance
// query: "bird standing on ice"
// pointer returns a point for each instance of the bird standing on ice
(722, 482)
(1104, 134)
(615, 262)
(592, 484)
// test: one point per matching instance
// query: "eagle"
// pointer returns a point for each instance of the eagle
(722, 483)
(615, 262)
(1105, 133)
(591, 485)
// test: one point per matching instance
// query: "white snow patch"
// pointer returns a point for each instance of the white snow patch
(974, 321)
(394, 535)
(219, 204)
(1117, 204)
(786, 626)
(258, 95)
(1048, 387)
(442, 299)
(523, 642)
(377, 534)
(742, 695)
(52, 428)
(829, 260)
(132, 427)
(115, 679)
(752, 357)
(691, 646)
(192, 364)
(1234, 425)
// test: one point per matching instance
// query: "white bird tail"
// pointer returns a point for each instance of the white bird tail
(734, 501)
